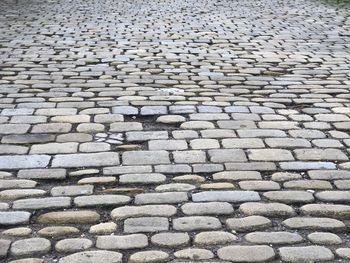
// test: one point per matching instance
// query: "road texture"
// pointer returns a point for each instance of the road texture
(174, 131)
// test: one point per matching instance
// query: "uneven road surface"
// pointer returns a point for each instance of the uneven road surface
(174, 131)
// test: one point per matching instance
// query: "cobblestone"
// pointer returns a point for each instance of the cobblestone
(174, 131)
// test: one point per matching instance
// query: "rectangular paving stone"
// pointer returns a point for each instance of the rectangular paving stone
(182, 109)
(192, 156)
(154, 110)
(56, 112)
(42, 203)
(260, 133)
(329, 174)
(161, 198)
(287, 143)
(173, 168)
(101, 200)
(146, 135)
(243, 143)
(16, 112)
(320, 154)
(14, 218)
(122, 242)
(86, 159)
(54, 148)
(127, 169)
(269, 155)
(237, 124)
(145, 157)
(125, 126)
(227, 155)
(7, 149)
(28, 138)
(4, 247)
(46, 174)
(146, 224)
(237, 175)
(14, 128)
(226, 196)
(52, 128)
(167, 145)
(207, 167)
(125, 110)
(299, 165)
(72, 190)
(251, 166)
(24, 161)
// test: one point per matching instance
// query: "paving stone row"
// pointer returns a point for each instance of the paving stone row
(174, 131)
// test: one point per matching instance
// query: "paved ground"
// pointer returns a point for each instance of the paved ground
(174, 131)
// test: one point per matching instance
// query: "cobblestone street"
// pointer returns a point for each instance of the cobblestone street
(174, 131)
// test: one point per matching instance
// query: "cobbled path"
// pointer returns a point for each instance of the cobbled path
(174, 131)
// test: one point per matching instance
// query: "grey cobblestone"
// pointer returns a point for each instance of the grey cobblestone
(177, 131)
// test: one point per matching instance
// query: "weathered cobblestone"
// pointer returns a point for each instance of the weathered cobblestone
(246, 253)
(304, 254)
(174, 131)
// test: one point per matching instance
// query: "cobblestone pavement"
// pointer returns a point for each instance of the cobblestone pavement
(174, 131)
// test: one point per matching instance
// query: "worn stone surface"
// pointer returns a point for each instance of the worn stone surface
(30, 246)
(122, 242)
(14, 218)
(170, 239)
(194, 254)
(57, 231)
(246, 253)
(305, 254)
(70, 245)
(273, 238)
(146, 224)
(249, 223)
(213, 238)
(174, 131)
(148, 256)
(69, 217)
(97, 256)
